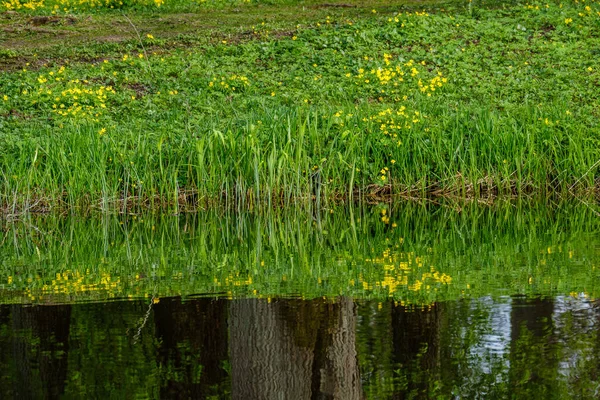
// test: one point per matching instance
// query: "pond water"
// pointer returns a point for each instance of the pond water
(404, 301)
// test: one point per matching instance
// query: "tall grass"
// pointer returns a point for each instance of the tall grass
(292, 162)
(306, 120)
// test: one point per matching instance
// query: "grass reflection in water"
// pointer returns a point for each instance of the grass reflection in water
(413, 254)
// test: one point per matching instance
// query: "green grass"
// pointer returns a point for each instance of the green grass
(272, 106)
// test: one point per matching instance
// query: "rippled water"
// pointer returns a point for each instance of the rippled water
(407, 302)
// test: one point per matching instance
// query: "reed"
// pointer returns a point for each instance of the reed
(409, 104)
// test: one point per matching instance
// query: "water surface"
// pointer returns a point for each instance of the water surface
(526, 347)
(383, 302)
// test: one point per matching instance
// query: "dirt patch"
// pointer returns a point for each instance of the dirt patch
(54, 20)
(139, 88)
(114, 38)
(334, 5)
(15, 114)
(247, 36)
(283, 34)
(548, 28)
(10, 14)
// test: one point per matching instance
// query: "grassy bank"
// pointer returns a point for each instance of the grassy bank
(288, 102)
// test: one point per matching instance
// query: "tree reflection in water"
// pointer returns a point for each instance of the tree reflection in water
(509, 347)
(304, 348)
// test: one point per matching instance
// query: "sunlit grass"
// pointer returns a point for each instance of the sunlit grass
(467, 102)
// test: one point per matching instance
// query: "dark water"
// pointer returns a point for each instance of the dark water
(525, 347)
(386, 302)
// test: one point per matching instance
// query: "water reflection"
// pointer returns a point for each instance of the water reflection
(415, 255)
(284, 347)
(517, 347)
(35, 354)
(192, 346)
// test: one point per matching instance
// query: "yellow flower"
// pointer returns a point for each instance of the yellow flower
(149, 36)
(102, 131)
